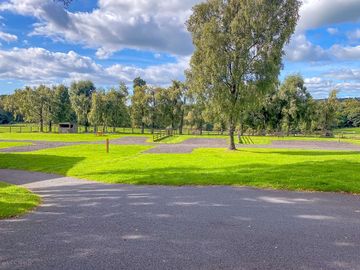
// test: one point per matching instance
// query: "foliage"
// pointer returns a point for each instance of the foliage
(80, 97)
(295, 103)
(327, 113)
(238, 50)
(140, 107)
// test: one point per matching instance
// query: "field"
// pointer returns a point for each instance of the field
(266, 168)
(12, 144)
(15, 200)
(53, 137)
(348, 133)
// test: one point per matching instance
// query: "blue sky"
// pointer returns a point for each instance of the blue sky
(109, 41)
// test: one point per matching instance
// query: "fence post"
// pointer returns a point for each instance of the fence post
(107, 145)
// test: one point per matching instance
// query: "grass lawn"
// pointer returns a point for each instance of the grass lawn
(15, 200)
(266, 168)
(350, 130)
(12, 144)
(255, 139)
(53, 137)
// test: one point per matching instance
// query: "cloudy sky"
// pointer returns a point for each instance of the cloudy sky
(109, 41)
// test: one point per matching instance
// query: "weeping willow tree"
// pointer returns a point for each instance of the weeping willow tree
(238, 51)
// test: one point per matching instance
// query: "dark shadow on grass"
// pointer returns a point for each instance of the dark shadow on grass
(314, 152)
(332, 175)
(38, 163)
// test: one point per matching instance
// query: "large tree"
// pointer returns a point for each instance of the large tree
(80, 97)
(238, 50)
(62, 111)
(140, 107)
(327, 113)
(117, 114)
(295, 102)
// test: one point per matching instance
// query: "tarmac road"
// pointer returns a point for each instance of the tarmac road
(87, 225)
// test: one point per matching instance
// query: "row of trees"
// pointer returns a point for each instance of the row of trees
(153, 107)
(232, 82)
(287, 108)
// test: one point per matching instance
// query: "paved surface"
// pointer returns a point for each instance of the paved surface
(36, 145)
(85, 225)
(188, 146)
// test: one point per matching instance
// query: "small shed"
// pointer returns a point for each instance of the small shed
(68, 128)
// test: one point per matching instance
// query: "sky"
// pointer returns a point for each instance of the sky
(108, 41)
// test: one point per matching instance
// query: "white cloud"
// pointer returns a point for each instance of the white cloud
(159, 25)
(37, 65)
(345, 74)
(300, 49)
(347, 81)
(319, 13)
(332, 30)
(114, 25)
(354, 35)
(345, 53)
(8, 37)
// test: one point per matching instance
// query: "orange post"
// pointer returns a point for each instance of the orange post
(107, 145)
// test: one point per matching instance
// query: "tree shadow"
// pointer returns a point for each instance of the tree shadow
(305, 152)
(331, 175)
(34, 162)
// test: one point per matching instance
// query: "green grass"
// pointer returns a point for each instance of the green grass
(255, 139)
(15, 201)
(12, 144)
(170, 140)
(52, 137)
(265, 168)
(350, 130)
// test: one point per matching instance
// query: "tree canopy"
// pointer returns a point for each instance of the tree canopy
(238, 50)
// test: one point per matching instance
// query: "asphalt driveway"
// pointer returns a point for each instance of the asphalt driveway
(86, 225)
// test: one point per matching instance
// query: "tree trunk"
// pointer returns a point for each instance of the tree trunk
(231, 134)
(50, 126)
(142, 128)
(41, 125)
(114, 129)
(181, 124)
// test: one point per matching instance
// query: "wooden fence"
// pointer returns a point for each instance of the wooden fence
(159, 135)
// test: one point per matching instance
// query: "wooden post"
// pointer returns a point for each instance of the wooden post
(107, 145)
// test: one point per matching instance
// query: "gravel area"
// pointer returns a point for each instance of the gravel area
(188, 146)
(87, 225)
(131, 140)
(36, 145)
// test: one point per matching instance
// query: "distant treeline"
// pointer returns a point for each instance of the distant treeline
(288, 108)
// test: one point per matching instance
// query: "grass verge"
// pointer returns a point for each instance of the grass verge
(16, 200)
(4, 145)
(53, 137)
